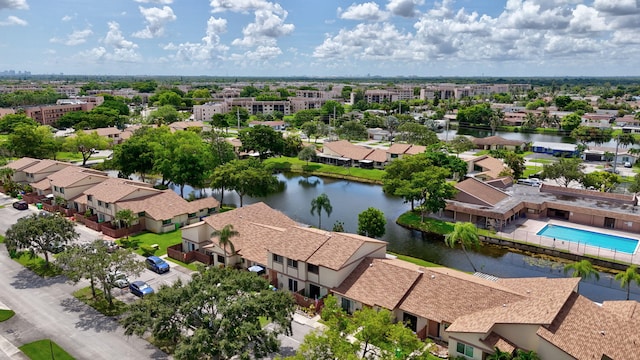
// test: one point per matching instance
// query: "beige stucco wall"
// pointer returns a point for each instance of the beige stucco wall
(546, 350)
(46, 172)
(199, 235)
(472, 339)
(524, 336)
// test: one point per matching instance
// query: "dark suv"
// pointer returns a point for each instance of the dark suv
(21, 205)
(157, 265)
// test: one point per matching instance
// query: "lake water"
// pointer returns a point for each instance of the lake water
(348, 199)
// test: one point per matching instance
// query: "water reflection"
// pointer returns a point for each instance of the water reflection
(348, 199)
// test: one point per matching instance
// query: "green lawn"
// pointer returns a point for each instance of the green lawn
(1, 239)
(412, 219)
(6, 314)
(541, 161)
(37, 264)
(45, 350)
(68, 156)
(99, 302)
(297, 165)
(530, 170)
(416, 261)
(163, 240)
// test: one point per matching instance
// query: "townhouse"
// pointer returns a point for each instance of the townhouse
(472, 314)
(94, 198)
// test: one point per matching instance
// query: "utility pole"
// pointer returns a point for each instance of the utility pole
(238, 116)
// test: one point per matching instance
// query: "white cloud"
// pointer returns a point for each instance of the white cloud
(586, 19)
(156, 20)
(210, 48)
(365, 41)
(404, 8)
(241, 6)
(67, 18)
(115, 39)
(77, 37)
(159, 2)
(368, 11)
(13, 21)
(14, 4)
(618, 7)
(265, 29)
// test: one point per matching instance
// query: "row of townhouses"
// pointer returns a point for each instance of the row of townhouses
(474, 315)
(94, 198)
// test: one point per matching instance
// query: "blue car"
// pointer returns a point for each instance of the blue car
(140, 288)
(157, 265)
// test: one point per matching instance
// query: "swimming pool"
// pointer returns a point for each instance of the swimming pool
(591, 238)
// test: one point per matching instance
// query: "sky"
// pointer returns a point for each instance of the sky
(322, 38)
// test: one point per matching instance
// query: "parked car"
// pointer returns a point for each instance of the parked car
(110, 245)
(140, 288)
(157, 265)
(627, 164)
(612, 170)
(21, 205)
(56, 247)
(118, 280)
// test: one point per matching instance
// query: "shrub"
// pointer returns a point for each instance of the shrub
(147, 250)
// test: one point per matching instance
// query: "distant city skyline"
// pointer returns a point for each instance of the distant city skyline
(322, 38)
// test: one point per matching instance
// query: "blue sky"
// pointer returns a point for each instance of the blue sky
(322, 37)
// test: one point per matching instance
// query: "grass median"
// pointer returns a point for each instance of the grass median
(100, 303)
(45, 350)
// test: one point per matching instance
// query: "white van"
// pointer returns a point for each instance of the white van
(530, 182)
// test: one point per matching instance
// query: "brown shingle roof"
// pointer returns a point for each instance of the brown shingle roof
(166, 205)
(452, 294)
(481, 191)
(43, 164)
(43, 185)
(496, 341)
(491, 166)
(497, 140)
(22, 163)
(348, 150)
(114, 189)
(338, 250)
(586, 330)
(72, 174)
(378, 282)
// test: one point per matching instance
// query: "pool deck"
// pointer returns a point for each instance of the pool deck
(526, 231)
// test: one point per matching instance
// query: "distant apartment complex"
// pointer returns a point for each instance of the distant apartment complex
(49, 114)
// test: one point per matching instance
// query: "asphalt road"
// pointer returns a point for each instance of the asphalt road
(45, 308)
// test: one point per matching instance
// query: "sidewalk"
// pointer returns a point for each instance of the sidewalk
(6, 347)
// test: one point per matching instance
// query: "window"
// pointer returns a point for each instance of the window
(166, 222)
(277, 258)
(293, 285)
(312, 268)
(61, 190)
(292, 263)
(99, 202)
(141, 214)
(464, 349)
(90, 197)
(221, 259)
(106, 205)
(192, 215)
(55, 188)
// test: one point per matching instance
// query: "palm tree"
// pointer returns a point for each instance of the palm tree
(500, 355)
(125, 217)
(627, 277)
(526, 355)
(224, 239)
(582, 269)
(320, 203)
(466, 234)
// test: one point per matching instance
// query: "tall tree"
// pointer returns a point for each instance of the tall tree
(39, 234)
(32, 141)
(430, 188)
(582, 269)
(371, 223)
(460, 144)
(250, 177)
(125, 218)
(516, 163)
(218, 316)
(627, 277)
(352, 130)
(319, 204)
(570, 122)
(564, 171)
(224, 239)
(307, 153)
(263, 140)
(414, 133)
(465, 234)
(84, 143)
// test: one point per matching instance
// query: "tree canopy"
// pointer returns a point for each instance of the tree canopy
(564, 171)
(215, 315)
(465, 234)
(40, 234)
(371, 223)
(319, 204)
(262, 139)
(84, 143)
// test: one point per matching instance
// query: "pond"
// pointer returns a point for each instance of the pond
(348, 199)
